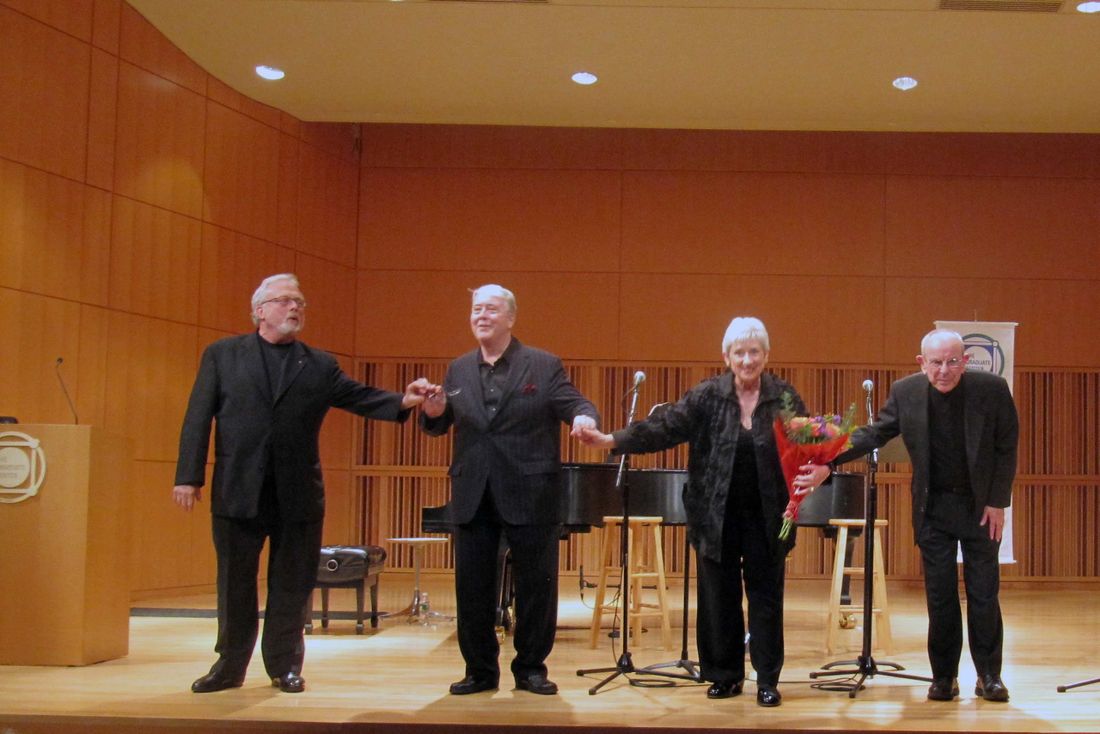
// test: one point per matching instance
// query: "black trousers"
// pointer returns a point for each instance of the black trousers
(950, 521)
(291, 574)
(535, 570)
(720, 621)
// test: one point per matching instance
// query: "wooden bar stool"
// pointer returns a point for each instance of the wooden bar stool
(646, 563)
(840, 616)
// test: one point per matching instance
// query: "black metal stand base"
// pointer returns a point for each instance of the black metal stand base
(624, 666)
(1078, 684)
(860, 670)
(690, 667)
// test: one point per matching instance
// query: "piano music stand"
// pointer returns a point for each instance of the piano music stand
(864, 667)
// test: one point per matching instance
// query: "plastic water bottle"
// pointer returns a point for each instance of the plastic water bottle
(424, 610)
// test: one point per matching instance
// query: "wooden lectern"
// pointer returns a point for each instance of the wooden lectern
(64, 586)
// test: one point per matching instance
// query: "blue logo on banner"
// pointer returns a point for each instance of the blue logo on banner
(985, 353)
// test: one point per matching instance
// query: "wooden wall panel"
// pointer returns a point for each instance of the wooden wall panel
(55, 235)
(426, 314)
(37, 331)
(164, 552)
(1000, 155)
(86, 368)
(43, 92)
(143, 45)
(486, 219)
(289, 181)
(488, 146)
(240, 173)
(339, 139)
(751, 223)
(228, 97)
(160, 135)
(107, 25)
(68, 16)
(154, 261)
(1049, 314)
(338, 429)
(809, 318)
(330, 291)
(233, 265)
(340, 525)
(1026, 228)
(152, 365)
(102, 119)
(754, 150)
(327, 194)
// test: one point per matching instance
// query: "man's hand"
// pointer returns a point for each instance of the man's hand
(810, 476)
(581, 423)
(418, 391)
(591, 436)
(995, 518)
(186, 495)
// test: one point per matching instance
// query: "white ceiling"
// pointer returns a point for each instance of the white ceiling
(720, 64)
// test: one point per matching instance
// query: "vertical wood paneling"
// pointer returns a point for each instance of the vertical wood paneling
(107, 25)
(55, 235)
(330, 291)
(240, 173)
(68, 16)
(328, 192)
(152, 365)
(233, 265)
(143, 45)
(102, 119)
(161, 130)
(43, 92)
(155, 262)
(482, 219)
(289, 181)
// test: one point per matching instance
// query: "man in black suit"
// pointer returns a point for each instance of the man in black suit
(961, 430)
(506, 402)
(268, 393)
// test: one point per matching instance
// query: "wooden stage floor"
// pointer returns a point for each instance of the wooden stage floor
(395, 679)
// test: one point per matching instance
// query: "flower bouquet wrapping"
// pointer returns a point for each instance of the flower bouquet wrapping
(807, 440)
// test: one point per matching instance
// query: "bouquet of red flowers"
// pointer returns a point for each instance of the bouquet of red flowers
(807, 440)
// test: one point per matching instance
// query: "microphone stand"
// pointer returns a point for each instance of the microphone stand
(625, 664)
(865, 666)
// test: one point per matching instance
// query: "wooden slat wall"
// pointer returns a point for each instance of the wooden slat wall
(1056, 527)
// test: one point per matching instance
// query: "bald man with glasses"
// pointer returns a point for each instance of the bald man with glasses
(961, 430)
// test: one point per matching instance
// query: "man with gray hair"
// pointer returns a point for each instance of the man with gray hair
(506, 402)
(961, 431)
(268, 393)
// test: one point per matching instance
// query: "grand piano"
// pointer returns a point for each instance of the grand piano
(589, 494)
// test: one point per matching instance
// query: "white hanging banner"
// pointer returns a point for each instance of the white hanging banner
(992, 348)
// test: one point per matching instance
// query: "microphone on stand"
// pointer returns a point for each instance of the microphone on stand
(868, 387)
(639, 378)
(61, 379)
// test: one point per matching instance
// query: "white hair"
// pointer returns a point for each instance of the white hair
(940, 335)
(743, 329)
(492, 290)
(265, 286)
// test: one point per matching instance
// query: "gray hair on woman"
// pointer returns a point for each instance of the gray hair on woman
(265, 285)
(743, 329)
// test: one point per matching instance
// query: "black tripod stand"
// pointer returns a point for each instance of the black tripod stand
(865, 666)
(624, 664)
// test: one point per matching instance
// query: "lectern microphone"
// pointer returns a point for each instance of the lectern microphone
(61, 379)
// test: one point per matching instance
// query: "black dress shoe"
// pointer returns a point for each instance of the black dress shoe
(216, 682)
(470, 684)
(289, 683)
(943, 689)
(767, 695)
(537, 683)
(724, 689)
(991, 688)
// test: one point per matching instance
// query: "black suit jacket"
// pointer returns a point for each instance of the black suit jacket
(517, 453)
(991, 430)
(259, 433)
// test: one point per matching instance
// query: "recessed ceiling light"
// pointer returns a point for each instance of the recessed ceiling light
(905, 83)
(270, 72)
(1091, 7)
(585, 77)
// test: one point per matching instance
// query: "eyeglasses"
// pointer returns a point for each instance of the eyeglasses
(285, 301)
(952, 364)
